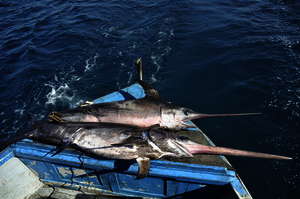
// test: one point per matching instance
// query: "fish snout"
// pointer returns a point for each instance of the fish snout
(214, 150)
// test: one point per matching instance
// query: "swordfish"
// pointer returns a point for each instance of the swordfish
(145, 112)
(116, 141)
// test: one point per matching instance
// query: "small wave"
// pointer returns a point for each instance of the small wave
(285, 90)
(61, 93)
(285, 97)
(163, 49)
(20, 111)
(61, 90)
(156, 61)
(91, 63)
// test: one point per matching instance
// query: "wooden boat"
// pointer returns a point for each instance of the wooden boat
(27, 170)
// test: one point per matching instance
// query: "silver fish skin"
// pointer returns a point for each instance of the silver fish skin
(101, 139)
(116, 141)
(130, 142)
(144, 112)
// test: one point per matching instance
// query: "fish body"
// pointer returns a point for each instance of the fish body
(125, 142)
(104, 140)
(142, 112)
(129, 142)
(113, 141)
(145, 112)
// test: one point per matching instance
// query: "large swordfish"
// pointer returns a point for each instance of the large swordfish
(145, 112)
(126, 142)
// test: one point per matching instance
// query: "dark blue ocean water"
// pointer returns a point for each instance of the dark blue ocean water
(213, 56)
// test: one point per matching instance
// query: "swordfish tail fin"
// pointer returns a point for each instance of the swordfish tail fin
(139, 68)
(203, 149)
(204, 115)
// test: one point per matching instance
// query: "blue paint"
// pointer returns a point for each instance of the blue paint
(166, 169)
(135, 90)
(238, 186)
(126, 95)
(6, 155)
(181, 177)
(165, 178)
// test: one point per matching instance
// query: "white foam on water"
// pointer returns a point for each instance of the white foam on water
(19, 111)
(91, 63)
(108, 31)
(61, 91)
(153, 78)
(162, 50)
(156, 60)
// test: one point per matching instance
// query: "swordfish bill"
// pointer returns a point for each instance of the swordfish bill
(213, 150)
(145, 112)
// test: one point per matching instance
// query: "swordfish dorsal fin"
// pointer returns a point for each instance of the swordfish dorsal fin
(149, 90)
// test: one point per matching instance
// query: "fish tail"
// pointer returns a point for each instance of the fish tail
(139, 68)
(8, 139)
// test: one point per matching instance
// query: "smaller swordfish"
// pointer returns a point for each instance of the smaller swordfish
(127, 142)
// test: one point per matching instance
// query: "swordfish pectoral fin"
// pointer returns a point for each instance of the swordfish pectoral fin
(56, 150)
(144, 166)
(59, 149)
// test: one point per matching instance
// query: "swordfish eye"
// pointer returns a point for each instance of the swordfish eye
(187, 111)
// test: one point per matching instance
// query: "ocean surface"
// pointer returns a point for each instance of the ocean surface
(213, 56)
